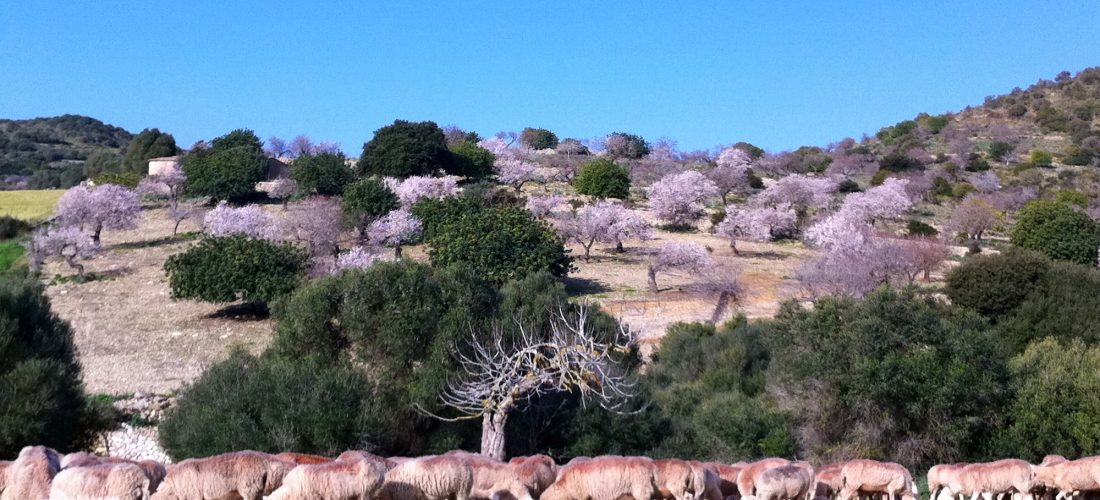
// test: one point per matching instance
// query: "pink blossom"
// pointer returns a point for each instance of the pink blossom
(732, 173)
(986, 182)
(495, 145)
(679, 198)
(283, 189)
(167, 185)
(516, 172)
(414, 188)
(842, 230)
(605, 222)
(683, 255)
(757, 224)
(801, 192)
(856, 270)
(70, 243)
(97, 208)
(357, 258)
(880, 202)
(315, 223)
(851, 160)
(544, 206)
(249, 220)
(974, 216)
(395, 229)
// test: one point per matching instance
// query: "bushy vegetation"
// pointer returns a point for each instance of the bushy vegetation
(325, 174)
(1058, 231)
(603, 178)
(50, 152)
(229, 169)
(405, 149)
(471, 161)
(498, 242)
(149, 143)
(232, 268)
(995, 285)
(538, 138)
(10, 227)
(43, 397)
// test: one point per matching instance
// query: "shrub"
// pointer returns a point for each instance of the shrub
(995, 285)
(1050, 375)
(307, 405)
(848, 186)
(149, 143)
(1064, 305)
(1058, 231)
(224, 174)
(538, 138)
(10, 227)
(405, 149)
(911, 384)
(897, 162)
(231, 268)
(603, 178)
(1040, 158)
(43, 399)
(402, 320)
(325, 174)
(961, 189)
(941, 187)
(998, 150)
(365, 201)
(917, 228)
(630, 146)
(499, 243)
(880, 177)
(472, 161)
(1072, 198)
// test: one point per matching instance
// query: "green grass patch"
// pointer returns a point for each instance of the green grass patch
(11, 252)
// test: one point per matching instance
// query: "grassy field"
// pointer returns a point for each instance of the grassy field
(10, 252)
(30, 204)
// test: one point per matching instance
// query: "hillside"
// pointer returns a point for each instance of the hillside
(50, 152)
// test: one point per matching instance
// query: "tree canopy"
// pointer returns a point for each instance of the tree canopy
(405, 149)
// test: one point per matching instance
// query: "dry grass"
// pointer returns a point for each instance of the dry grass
(29, 205)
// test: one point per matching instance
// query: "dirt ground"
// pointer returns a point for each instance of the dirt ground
(130, 335)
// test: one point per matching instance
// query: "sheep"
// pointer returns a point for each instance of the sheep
(119, 481)
(786, 482)
(537, 472)
(1069, 478)
(940, 476)
(712, 483)
(358, 479)
(428, 478)
(678, 480)
(1053, 460)
(245, 474)
(4, 466)
(29, 476)
(303, 458)
(153, 470)
(747, 478)
(828, 482)
(994, 478)
(492, 478)
(727, 479)
(871, 476)
(604, 478)
(79, 459)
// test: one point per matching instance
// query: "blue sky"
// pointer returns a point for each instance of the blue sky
(777, 74)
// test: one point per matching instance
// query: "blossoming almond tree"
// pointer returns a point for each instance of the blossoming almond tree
(97, 208)
(679, 199)
(687, 256)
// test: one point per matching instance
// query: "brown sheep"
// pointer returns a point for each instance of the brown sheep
(712, 484)
(604, 478)
(303, 458)
(828, 482)
(993, 478)
(537, 472)
(679, 480)
(154, 470)
(747, 478)
(358, 479)
(871, 476)
(940, 477)
(727, 479)
(493, 479)
(121, 481)
(4, 466)
(29, 476)
(429, 478)
(248, 475)
(79, 459)
(1070, 478)
(786, 482)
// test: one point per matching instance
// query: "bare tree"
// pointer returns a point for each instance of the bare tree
(505, 374)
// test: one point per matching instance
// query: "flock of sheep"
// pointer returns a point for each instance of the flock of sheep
(40, 473)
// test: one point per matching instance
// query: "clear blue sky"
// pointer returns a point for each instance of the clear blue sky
(704, 73)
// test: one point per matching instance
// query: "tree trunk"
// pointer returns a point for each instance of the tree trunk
(95, 235)
(733, 245)
(720, 307)
(652, 280)
(286, 201)
(176, 228)
(71, 260)
(397, 252)
(492, 434)
(619, 246)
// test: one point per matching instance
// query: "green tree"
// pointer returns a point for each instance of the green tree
(405, 149)
(1065, 305)
(229, 169)
(365, 201)
(623, 145)
(43, 397)
(1058, 231)
(538, 138)
(325, 174)
(892, 376)
(472, 161)
(231, 268)
(500, 243)
(150, 143)
(603, 178)
(270, 404)
(995, 285)
(398, 321)
(1056, 408)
